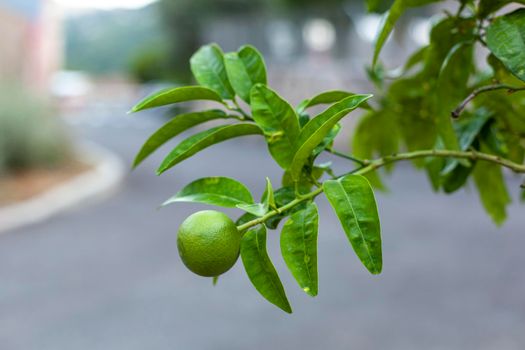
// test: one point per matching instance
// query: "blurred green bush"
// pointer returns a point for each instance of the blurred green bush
(31, 135)
(150, 63)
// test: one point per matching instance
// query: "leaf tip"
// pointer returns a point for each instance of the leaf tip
(287, 309)
(136, 162)
(376, 270)
(311, 292)
(135, 108)
(166, 202)
(499, 221)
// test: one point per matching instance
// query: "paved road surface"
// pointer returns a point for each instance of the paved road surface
(106, 276)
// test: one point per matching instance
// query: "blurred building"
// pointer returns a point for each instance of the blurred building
(31, 44)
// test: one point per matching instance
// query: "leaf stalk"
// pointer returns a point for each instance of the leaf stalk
(347, 156)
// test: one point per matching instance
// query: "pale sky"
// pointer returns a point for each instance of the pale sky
(103, 4)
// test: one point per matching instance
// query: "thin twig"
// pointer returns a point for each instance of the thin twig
(347, 156)
(510, 89)
(380, 162)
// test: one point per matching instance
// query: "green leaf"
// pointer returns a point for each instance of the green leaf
(326, 97)
(174, 127)
(204, 139)
(452, 89)
(318, 128)
(244, 218)
(376, 135)
(256, 209)
(260, 269)
(268, 196)
(303, 118)
(283, 196)
(456, 178)
(446, 37)
(486, 7)
(506, 40)
(409, 108)
(416, 58)
(220, 191)
(299, 247)
(378, 6)
(207, 65)
(495, 140)
(493, 193)
(309, 175)
(245, 68)
(467, 129)
(176, 95)
(389, 20)
(353, 201)
(328, 140)
(278, 121)
(434, 167)
(508, 111)
(259, 209)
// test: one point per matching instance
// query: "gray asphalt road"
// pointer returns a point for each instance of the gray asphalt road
(107, 275)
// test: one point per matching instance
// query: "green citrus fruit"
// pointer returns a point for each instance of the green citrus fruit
(208, 243)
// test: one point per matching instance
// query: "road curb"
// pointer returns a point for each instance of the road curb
(101, 181)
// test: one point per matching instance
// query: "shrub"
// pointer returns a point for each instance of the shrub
(31, 135)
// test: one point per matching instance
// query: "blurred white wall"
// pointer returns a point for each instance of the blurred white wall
(31, 42)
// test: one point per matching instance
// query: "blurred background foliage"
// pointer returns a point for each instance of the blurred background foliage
(155, 42)
(31, 136)
(102, 42)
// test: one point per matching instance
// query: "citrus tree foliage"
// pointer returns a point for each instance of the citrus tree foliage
(446, 99)
(454, 118)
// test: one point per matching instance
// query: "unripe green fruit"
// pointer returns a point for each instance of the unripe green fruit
(208, 243)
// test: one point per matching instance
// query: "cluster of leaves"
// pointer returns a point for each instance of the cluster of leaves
(415, 109)
(294, 141)
(414, 113)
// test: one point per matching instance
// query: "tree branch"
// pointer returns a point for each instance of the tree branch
(510, 89)
(280, 210)
(472, 155)
(380, 162)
